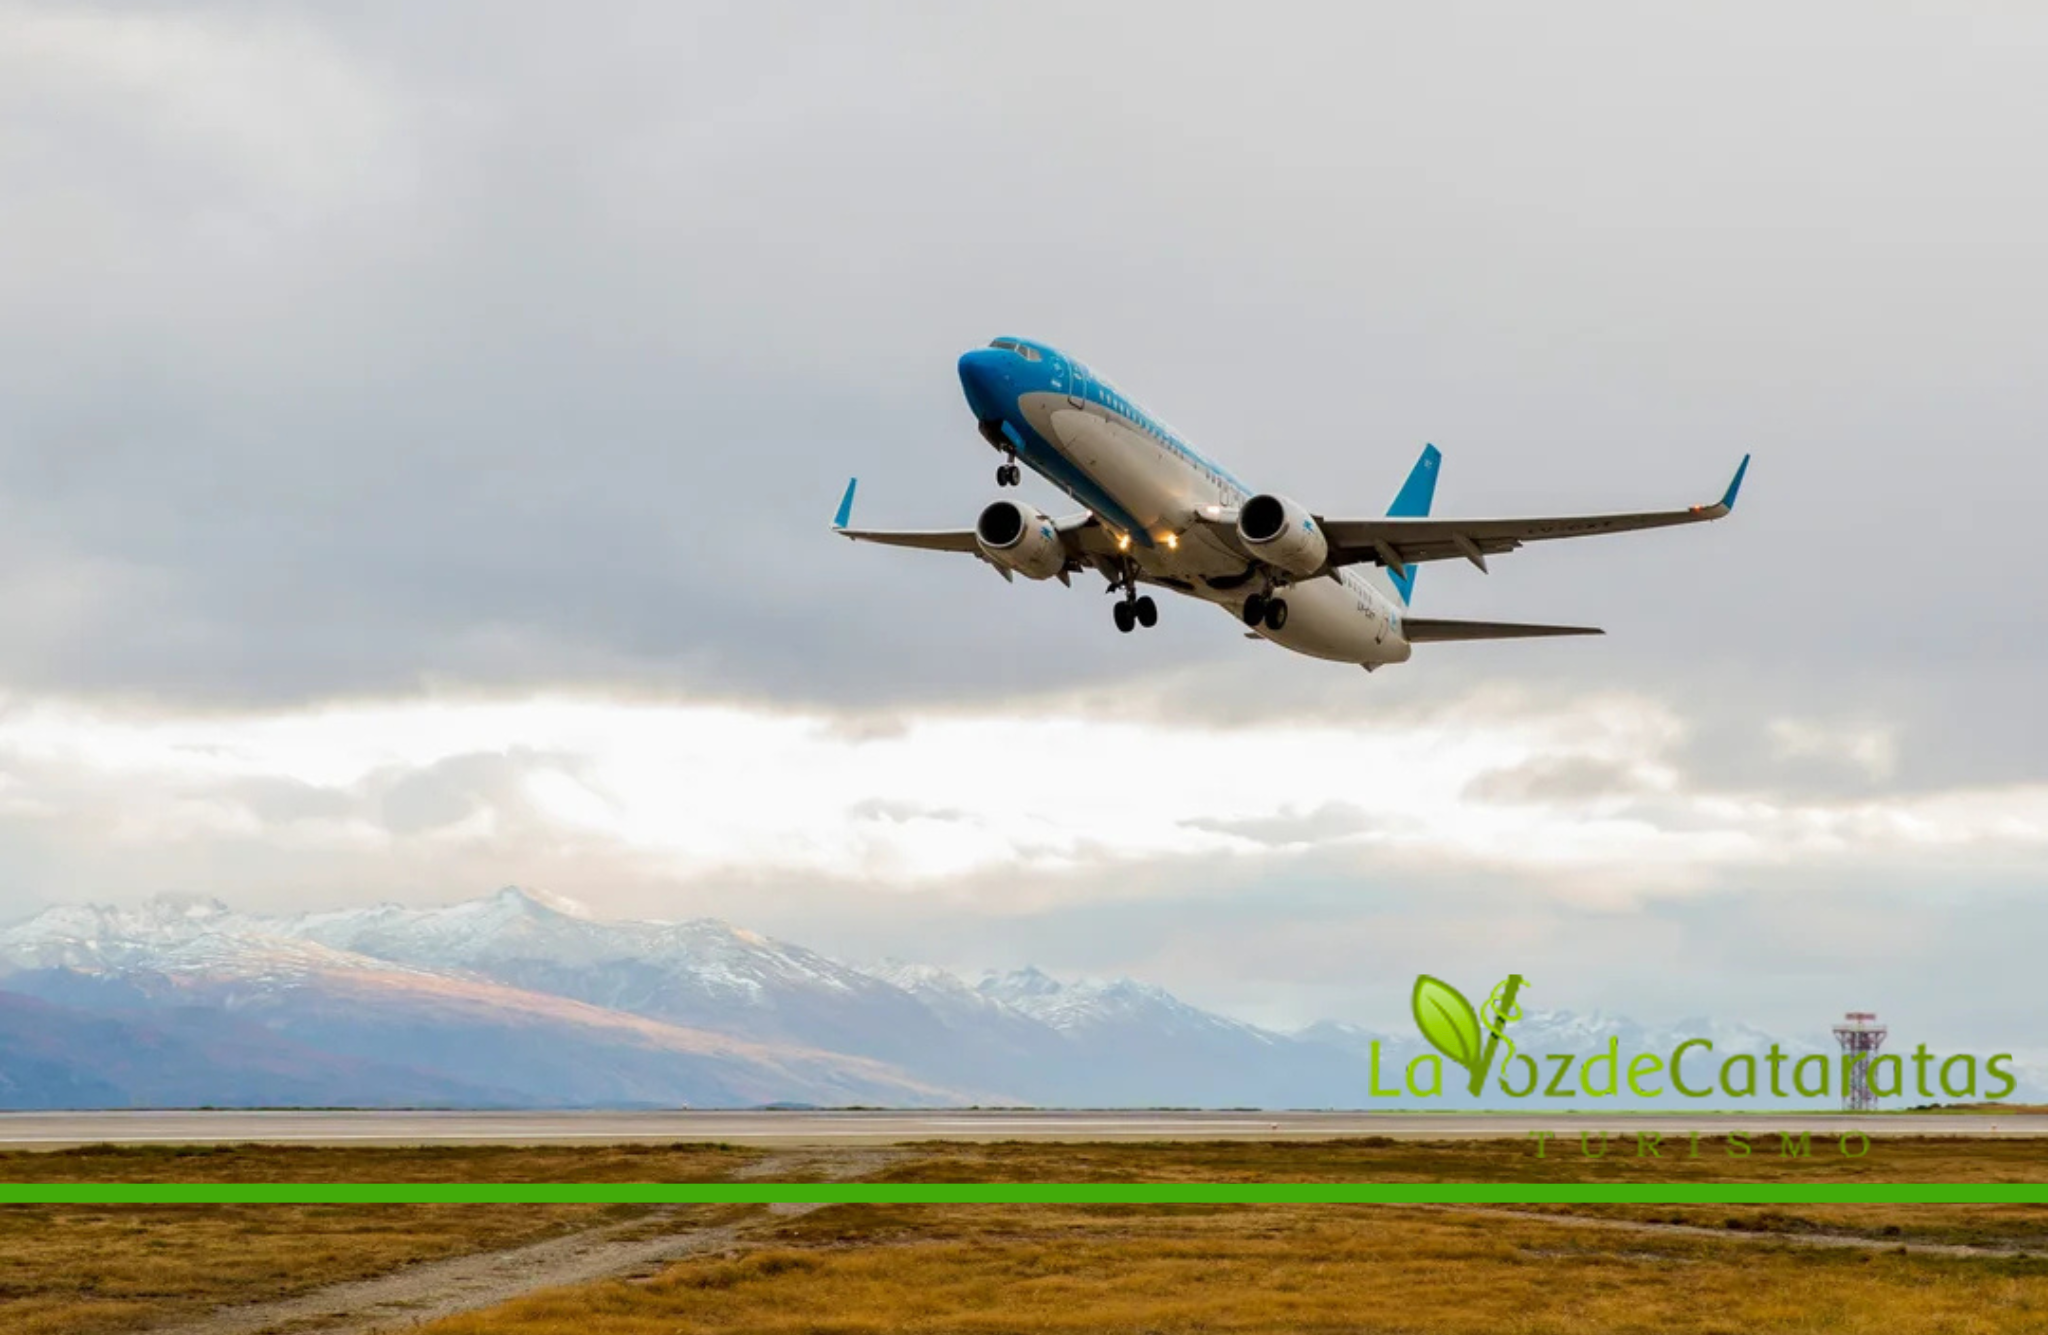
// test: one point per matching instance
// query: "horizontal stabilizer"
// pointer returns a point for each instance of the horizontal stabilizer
(1425, 630)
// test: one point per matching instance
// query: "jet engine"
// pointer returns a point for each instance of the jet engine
(1282, 534)
(1019, 537)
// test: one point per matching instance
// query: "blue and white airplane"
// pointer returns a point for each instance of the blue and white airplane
(1161, 514)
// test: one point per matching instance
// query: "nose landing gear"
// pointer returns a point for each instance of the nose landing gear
(1007, 472)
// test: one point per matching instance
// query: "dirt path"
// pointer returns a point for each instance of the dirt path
(443, 1288)
(435, 1289)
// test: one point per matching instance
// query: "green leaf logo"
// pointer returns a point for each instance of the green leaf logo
(1447, 1021)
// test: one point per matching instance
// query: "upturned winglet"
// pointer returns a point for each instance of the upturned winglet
(1727, 497)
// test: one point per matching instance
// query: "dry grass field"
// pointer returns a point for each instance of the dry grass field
(415, 1163)
(857, 1270)
(1356, 1159)
(1387, 1159)
(93, 1271)
(68, 1270)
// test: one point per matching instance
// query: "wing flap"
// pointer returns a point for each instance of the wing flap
(1431, 630)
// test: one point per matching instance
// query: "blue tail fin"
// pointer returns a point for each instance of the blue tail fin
(1413, 503)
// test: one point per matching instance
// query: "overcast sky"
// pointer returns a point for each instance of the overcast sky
(418, 430)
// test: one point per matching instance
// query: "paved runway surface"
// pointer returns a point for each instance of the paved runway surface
(49, 1130)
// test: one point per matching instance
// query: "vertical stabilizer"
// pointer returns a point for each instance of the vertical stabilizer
(1412, 502)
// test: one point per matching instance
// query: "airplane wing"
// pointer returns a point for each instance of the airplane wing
(1398, 542)
(1427, 630)
(1082, 535)
(930, 539)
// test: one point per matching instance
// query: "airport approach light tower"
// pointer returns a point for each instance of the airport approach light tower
(1861, 1036)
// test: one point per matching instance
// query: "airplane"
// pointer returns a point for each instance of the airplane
(1160, 514)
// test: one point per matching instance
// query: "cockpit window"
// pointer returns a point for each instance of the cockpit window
(1012, 345)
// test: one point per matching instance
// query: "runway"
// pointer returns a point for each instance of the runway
(52, 1130)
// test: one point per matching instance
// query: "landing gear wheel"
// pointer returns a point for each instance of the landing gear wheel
(1276, 613)
(1255, 610)
(1147, 612)
(1008, 475)
(1125, 617)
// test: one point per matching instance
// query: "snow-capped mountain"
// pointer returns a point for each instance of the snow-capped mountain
(518, 999)
(1131, 1040)
(96, 937)
(703, 973)
(1093, 1004)
(1567, 1031)
(458, 1033)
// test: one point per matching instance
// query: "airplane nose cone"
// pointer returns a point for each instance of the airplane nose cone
(985, 379)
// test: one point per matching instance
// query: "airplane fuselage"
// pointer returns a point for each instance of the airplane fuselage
(1149, 487)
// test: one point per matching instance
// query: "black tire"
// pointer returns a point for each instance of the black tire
(1125, 618)
(1276, 614)
(1255, 610)
(1148, 612)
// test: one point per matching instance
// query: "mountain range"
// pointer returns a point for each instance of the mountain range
(517, 1000)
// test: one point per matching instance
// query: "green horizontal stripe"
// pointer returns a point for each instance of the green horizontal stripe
(1025, 1193)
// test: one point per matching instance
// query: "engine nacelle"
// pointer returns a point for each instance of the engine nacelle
(1019, 537)
(1282, 534)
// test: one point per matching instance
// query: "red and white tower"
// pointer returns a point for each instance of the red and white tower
(1861, 1036)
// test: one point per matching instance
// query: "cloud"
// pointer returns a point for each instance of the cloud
(1328, 822)
(348, 354)
(1871, 750)
(417, 435)
(1083, 809)
(1579, 779)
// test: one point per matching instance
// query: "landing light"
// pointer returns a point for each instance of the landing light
(1123, 542)
(1173, 542)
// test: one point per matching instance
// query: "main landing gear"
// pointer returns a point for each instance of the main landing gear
(1265, 610)
(1134, 612)
(1009, 474)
